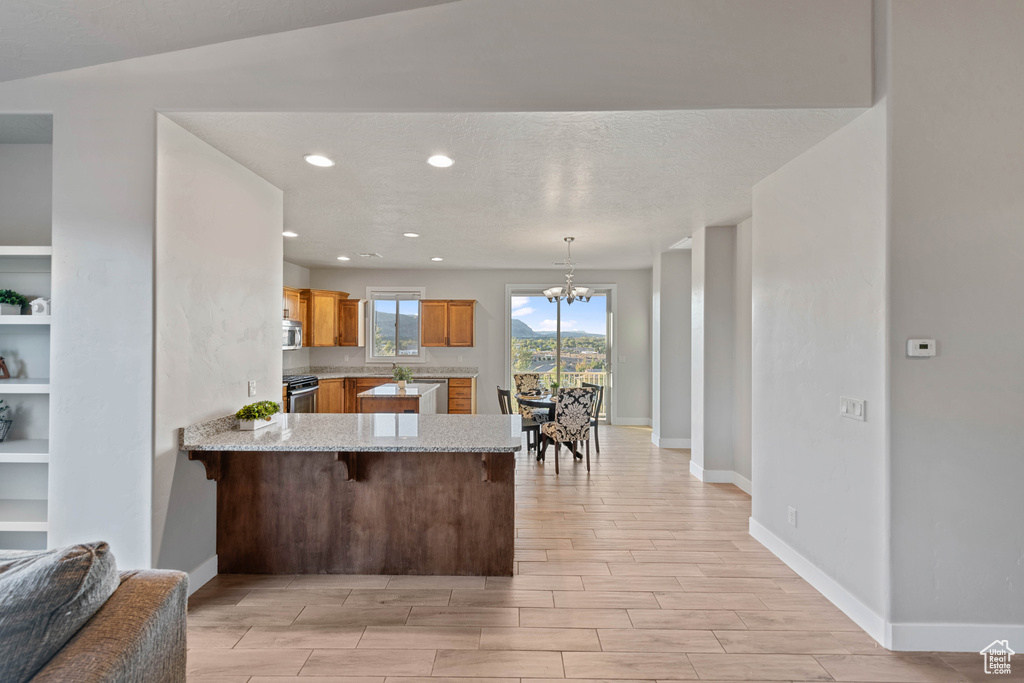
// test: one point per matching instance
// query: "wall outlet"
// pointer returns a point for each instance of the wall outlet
(460, 359)
(252, 389)
(853, 408)
(622, 359)
(792, 516)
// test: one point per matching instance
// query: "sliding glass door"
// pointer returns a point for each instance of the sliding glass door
(565, 343)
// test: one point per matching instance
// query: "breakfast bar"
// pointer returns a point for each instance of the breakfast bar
(380, 493)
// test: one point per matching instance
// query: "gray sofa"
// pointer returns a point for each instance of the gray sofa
(68, 615)
(137, 635)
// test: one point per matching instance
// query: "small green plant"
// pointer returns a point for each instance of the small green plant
(3, 410)
(554, 387)
(9, 296)
(261, 410)
(401, 374)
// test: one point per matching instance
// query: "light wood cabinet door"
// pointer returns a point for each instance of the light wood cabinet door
(433, 323)
(351, 330)
(331, 398)
(460, 323)
(323, 327)
(292, 304)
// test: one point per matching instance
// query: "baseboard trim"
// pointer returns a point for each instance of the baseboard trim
(742, 483)
(860, 613)
(201, 575)
(952, 637)
(669, 442)
(632, 421)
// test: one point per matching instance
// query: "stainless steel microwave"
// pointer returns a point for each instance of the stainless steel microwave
(292, 335)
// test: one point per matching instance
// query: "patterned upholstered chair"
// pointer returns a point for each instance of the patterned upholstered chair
(529, 383)
(530, 426)
(572, 420)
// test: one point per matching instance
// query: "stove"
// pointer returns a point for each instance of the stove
(302, 393)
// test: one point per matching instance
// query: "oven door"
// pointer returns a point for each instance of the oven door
(303, 400)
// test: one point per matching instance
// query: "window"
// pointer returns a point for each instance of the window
(394, 329)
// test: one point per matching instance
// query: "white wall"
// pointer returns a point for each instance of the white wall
(957, 269)
(670, 349)
(742, 351)
(218, 263)
(819, 321)
(633, 324)
(713, 355)
(26, 189)
(297, 277)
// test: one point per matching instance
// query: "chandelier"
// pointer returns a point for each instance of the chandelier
(569, 292)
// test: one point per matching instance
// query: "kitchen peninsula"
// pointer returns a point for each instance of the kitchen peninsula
(378, 493)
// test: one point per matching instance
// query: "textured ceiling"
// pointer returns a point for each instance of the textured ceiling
(627, 185)
(26, 129)
(43, 36)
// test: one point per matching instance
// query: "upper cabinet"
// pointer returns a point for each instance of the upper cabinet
(328, 318)
(351, 325)
(447, 322)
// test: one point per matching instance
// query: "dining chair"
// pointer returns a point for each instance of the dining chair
(530, 426)
(527, 383)
(572, 420)
(595, 414)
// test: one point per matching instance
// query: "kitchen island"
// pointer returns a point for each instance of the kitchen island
(363, 494)
(390, 398)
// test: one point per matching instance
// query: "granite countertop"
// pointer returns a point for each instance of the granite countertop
(432, 372)
(380, 432)
(411, 390)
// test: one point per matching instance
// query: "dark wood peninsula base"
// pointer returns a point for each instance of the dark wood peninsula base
(432, 513)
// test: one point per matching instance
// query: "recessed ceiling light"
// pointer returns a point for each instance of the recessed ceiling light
(440, 161)
(344, 258)
(411, 234)
(289, 233)
(437, 258)
(318, 160)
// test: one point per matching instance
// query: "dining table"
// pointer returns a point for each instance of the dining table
(545, 400)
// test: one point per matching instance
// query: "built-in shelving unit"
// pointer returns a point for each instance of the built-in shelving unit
(25, 452)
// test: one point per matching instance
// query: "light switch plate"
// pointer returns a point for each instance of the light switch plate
(853, 408)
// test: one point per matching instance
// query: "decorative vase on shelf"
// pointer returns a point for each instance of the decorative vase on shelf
(5, 426)
(10, 309)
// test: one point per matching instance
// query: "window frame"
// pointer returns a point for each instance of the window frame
(416, 294)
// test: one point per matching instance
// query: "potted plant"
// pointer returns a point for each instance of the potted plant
(5, 421)
(11, 302)
(402, 375)
(554, 387)
(256, 415)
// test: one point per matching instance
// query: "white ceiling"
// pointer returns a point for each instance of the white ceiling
(627, 185)
(44, 36)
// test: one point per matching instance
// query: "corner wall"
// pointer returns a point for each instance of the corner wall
(670, 349)
(819, 332)
(218, 292)
(957, 259)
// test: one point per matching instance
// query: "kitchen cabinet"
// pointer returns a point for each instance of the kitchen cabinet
(351, 317)
(447, 322)
(292, 302)
(356, 386)
(323, 314)
(331, 398)
(461, 396)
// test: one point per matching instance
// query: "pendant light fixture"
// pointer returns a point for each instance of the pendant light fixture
(569, 292)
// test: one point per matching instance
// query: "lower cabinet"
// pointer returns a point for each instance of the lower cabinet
(358, 385)
(331, 398)
(461, 396)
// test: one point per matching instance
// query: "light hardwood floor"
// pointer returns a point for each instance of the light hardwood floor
(635, 572)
